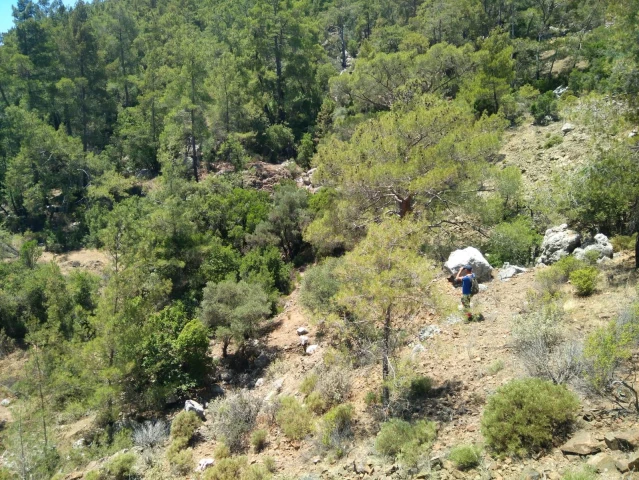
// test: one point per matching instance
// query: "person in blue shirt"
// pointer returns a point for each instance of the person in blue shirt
(466, 276)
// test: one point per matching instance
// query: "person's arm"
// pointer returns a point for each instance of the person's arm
(458, 277)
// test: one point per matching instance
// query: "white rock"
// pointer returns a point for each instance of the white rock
(311, 349)
(79, 443)
(259, 382)
(302, 331)
(567, 128)
(429, 331)
(193, 406)
(602, 246)
(417, 349)
(472, 256)
(5, 402)
(278, 384)
(558, 242)
(304, 340)
(508, 271)
(204, 464)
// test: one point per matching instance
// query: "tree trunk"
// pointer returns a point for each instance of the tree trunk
(405, 206)
(193, 145)
(385, 359)
(341, 37)
(279, 83)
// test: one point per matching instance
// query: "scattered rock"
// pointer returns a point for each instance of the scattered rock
(204, 464)
(509, 271)
(278, 384)
(311, 349)
(627, 440)
(453, 319)
(302, 331)
(634, 133)
(601, 245)
(582, 443)
(472, 256)
(259, 382)
(304, 340)
(5, 402)
(79, 443)
(603, 463)
(567, 128)
(560, 90)
(558, 242)
(428, 332)
(193, 406)
(531, 475)
(417, 349)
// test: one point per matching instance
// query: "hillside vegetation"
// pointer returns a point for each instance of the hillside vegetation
(185, 183)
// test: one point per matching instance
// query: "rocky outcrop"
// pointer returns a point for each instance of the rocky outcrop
(558, 242)
(193, 406)
(472, 256)
(627, 440)
(582, 443)
(599, 244)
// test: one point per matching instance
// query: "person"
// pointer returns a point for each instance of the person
(466, 276)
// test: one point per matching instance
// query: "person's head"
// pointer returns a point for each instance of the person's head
(468, 268)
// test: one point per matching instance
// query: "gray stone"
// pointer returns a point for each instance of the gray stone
(262, 360)
(302, 331)
(311, 349)
(603, 463)
(5, 402)
(417, 349)
(560, 90)
(472, 256)
(428, 332)
(79, 443)
(531, 475)
(278, 384)
(567, 128)
(259, 382)
(509, 271)
(582, 443)
(304, 340)
(204, 464)
(627, 440)
(193, 406)
(600, 244)
(558, 242)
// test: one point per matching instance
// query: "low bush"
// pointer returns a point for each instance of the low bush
(465, 457)
(230, 468)
(308, 384)
(553, 141)
(319, 286)
(315, 403)
(269, 464)
(182, 461)
(544, 109)
(405, 441)
(258, 440)
(256, 472)
(233, 417)
(184, 425)
(495, 367)
(420, 387)
(221, 451)
(327, 386)
(513, 242)
(335, 428)
(567, 265)
(150, 433)
(526, 415)
(623, 242)
(586, 473)
(120, 467)
(293, 418)
(548, 283)
(584, 280)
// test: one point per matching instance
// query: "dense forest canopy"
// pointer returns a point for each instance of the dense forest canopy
(116, 117)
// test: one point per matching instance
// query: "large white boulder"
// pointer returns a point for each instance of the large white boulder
(193, 406)
(558, 242)
(472, 256)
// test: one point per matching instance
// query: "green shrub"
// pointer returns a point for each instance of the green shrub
(584, 281)
(232, 417)
(495, 367)
(401, 439)
(465, 457)
(256, 472)
(293, 418)
(567, 265)
(513, 242)
(319, 286)
(90, 475)
(184, 425)
(315, 403)
(258, 440)
(545, 109)
(525, 416)
(308, 384)
(420, 387)
(553, 141)
(221, 451)
(269, 464)
(120, 467)
(182, 461)
(586, 473)
(549, 281)
(336, 426)
(230, 468)
(623, 242)
(371, 398)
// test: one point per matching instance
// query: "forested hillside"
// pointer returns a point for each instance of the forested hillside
(135, 126)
